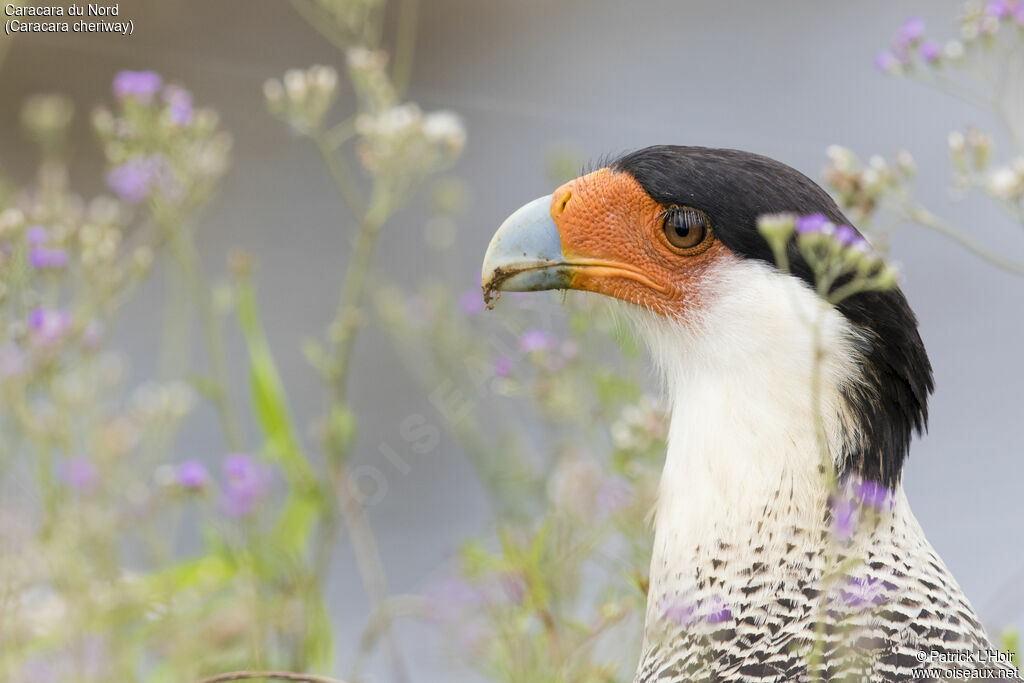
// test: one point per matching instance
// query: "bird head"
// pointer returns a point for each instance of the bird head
(672, 231)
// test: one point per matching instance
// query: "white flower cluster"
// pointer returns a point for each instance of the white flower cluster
(368, 71)
(1007, 182)
(403, 141)
(860, 187)
(641, 426)
(302, 98)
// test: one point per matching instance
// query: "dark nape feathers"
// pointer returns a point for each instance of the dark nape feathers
(733, 188)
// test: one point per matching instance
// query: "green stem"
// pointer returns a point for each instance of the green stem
(323, 24)
(918, 214)
(188, 258)
(339, 170)
(405, 45)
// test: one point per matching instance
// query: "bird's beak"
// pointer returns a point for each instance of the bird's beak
(525, 255)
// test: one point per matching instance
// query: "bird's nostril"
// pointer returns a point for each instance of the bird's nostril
(561, 199)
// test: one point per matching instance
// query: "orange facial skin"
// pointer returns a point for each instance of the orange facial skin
(613, 237)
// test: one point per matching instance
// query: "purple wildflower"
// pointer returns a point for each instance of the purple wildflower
(192, 475)
(502, 366)
(140, 85)
(930, 51)
(1000, 9)
(179, 104)
(80, 474)
(716, 610)
(885, 62)
(847, 236)
(815, 222)
(1018, 13)
(41, 257)
(615, 494)
(534, 340)
(911, 31)
(132, 180)
(680, 612)
(35, 235)
(471, 302)
(844, 518)
(246, 483)
(48, 325)
(863, 591)
(874, 494)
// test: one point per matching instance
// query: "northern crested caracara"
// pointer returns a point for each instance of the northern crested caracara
(748, 580)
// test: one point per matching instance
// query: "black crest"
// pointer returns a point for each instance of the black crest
(733, 188)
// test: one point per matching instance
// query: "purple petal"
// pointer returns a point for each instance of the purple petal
(80, 474)
(846, 235)
(35, 235)
(912, 30)
(41, 257)
(885, 62)
(815, 222)
(502, 366)
(192, 474)
(179, 104)
(930, 51)
(140, 85)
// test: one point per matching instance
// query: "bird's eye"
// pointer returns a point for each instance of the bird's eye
(686, 228)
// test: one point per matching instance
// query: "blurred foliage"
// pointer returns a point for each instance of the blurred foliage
(94, 585)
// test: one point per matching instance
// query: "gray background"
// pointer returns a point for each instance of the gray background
(784, 79)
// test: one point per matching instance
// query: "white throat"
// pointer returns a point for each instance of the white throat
(743, 447)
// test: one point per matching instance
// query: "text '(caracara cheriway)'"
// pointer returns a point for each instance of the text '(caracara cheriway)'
(747, 580)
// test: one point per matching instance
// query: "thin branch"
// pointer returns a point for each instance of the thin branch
(339, 170)
(918, 214)
(278, 675)
(405, 45)
(321, 23)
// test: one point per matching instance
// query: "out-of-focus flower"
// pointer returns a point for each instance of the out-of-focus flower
(930, 51)
(502, 366)
(1000, 9)
(48, 325)
(80, 474)
(911, 31)
(402, 142)
(35, 235)
(886, 62)
(471, 302)
(716, 610)
(139, 85)
(41, 257)
(844, 518)
(192, 475)
(534, 340)
(641, 427)
(872, 493)
(863, 591)
(47, 117)
(179, 104)
(814, 223)
(615, 493)
(246, 483)
(1004, 182)
(302, 98)
(137, 178)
